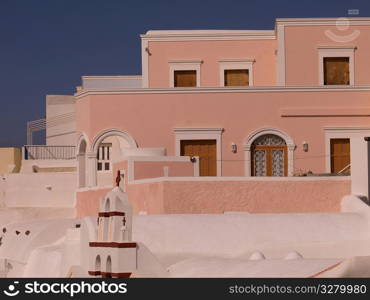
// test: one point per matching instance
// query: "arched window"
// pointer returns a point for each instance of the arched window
(81, 162)
(98, 264)
(269, 156)
(108, 267)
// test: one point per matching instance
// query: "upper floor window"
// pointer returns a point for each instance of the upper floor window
(236, 77)
(185, 78)
(236, 72)
(336, 65)
(185, 73)
(103, 157)
(336, 70)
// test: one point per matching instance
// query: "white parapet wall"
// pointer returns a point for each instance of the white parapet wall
(20, 240)
(29, 166)
(38, 190)
(359, 169)
(111, 82)
(173, 238)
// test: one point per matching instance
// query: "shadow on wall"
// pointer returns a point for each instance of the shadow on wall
(10, 160)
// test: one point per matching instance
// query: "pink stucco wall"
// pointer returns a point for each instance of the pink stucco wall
(175, 197)
(239, 113)
(301, 56)
(87, 202)
(301, 52)
(254, 196)
(153, 169)
(211, 52)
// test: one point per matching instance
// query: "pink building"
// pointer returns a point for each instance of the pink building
(215, 108)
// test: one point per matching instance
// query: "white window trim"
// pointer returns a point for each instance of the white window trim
(337, 51)
(340, 133)
(184, 65)
(256, 134)
(200, 134)
(236, 64)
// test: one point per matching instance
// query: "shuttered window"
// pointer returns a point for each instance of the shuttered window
(340, 156)
(336, 70)
(103, 157)
(236, 77)
(206, 151)
(186, 78)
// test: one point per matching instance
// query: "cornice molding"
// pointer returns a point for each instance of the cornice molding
(198, 130)
(200, 90)
(188, 35)
(320, 21)
(237, 60)
(113, 77)
(185, 61)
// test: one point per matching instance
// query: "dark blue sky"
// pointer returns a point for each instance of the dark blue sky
(46, 46)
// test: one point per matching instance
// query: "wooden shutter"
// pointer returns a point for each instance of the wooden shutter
(340, 155)
(336, 70)
(236, 77)
(185, 78)
(206, 150)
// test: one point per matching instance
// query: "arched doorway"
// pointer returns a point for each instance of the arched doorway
(109, 146)
(269, 156)
(98, 265)
(81, 161)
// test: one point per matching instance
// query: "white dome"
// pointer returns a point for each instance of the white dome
(257, 255)
(293, 255)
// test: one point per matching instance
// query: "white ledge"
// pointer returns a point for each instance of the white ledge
(244, 178)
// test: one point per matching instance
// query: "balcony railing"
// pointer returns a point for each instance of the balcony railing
(48, 152)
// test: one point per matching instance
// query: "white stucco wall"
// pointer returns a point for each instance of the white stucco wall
(19, 246)
(359, 161)
(38, 190)
(27, 165)
(111, 82)
(173, 238)
(358, 154)
(25, 214)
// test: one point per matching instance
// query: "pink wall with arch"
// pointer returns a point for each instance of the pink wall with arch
(150, 118)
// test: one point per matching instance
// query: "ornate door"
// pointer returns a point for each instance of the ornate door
(269, 156)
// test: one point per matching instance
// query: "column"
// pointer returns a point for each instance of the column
(91, 169)
(81, 170)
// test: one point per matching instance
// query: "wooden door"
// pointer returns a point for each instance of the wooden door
(269, 161)
(206, 150)
(340, 155)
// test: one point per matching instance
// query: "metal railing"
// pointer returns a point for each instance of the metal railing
(31, 152)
